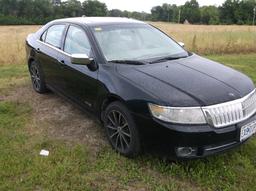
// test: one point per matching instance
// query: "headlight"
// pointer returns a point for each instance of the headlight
(184, 115)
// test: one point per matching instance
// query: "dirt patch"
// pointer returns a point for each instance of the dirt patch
(57, 118)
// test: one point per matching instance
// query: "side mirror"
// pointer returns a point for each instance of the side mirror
(81, 59)
(181, 44)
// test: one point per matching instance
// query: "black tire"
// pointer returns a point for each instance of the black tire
(37, 78)
(121, 130)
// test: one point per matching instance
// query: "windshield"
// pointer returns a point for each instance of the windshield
(135, 42)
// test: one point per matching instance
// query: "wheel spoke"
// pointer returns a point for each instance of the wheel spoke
(33, 79)
(111, 120)
(37, 85)
(111, 127)
(37, 78)
(115, 119)
(121, 141)
(32, 70)
(128, 135)
(114, 134)
(36, 71)
(120, 119)
(117, 138)
(124, 125)
(123, 137)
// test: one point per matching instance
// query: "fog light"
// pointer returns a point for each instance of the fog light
(186, 151)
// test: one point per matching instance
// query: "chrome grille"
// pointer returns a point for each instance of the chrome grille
(229, 113)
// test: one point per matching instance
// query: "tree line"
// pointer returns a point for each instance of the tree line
(230, 12)
(42, 11)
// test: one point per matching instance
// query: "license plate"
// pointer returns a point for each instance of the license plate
(247, 131)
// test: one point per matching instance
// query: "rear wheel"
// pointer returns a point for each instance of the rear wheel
(37, 78)
(121, 130)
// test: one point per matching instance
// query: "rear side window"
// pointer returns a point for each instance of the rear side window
(54, 34)
(77, 42)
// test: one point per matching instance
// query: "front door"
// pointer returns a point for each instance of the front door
(80, 82)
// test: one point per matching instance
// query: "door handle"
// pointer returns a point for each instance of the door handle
(62, 63)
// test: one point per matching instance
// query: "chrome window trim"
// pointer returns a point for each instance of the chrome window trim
(53, 47)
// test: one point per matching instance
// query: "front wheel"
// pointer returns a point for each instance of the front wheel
(37, 78)
(121, 130)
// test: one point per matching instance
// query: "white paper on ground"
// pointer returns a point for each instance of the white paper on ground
(44, 152)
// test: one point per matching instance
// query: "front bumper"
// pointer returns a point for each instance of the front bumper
(207, 140)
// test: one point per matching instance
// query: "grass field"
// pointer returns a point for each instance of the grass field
(197, 38)
(80, 157)
(213, 39)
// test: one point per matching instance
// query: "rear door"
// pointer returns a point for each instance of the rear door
(48, 53)
(81, 83)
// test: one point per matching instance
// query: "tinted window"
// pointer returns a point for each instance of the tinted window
(54, 35)
(77, 41)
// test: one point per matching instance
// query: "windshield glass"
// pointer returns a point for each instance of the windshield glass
(135, 42)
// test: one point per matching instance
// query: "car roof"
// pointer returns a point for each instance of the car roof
(99, 20)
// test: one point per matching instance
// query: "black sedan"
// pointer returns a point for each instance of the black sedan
(146, 89)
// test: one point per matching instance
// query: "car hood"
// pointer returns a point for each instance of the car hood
(190, 81)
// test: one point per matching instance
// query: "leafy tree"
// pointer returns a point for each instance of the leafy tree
(72, 8)
(209, 15)
(174, 14)
(25, 8)
(139, 15)
(227, 11)
(244, 13)
(115, 13)
(126, 14)
(94, 8)
(42, 8)
(166, 12)
(157, 13)
(191, 12)
(8, 7)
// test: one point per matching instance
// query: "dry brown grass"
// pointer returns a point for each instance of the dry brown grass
(12, 46)
(198, 38)
(213, 39)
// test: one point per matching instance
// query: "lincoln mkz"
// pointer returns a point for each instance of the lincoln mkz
(144, 87)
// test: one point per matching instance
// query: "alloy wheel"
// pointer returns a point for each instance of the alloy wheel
(118, 131)
(35, 76)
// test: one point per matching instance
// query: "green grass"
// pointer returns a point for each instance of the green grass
(12, 76)
(74, 166)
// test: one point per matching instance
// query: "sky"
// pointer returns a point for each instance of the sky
(146, 5)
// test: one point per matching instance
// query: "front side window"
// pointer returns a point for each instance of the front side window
(135, 42)
(77, 42)
(54, 34)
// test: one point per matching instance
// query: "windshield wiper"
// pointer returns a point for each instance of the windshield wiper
(134, 62)
(167, 58)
